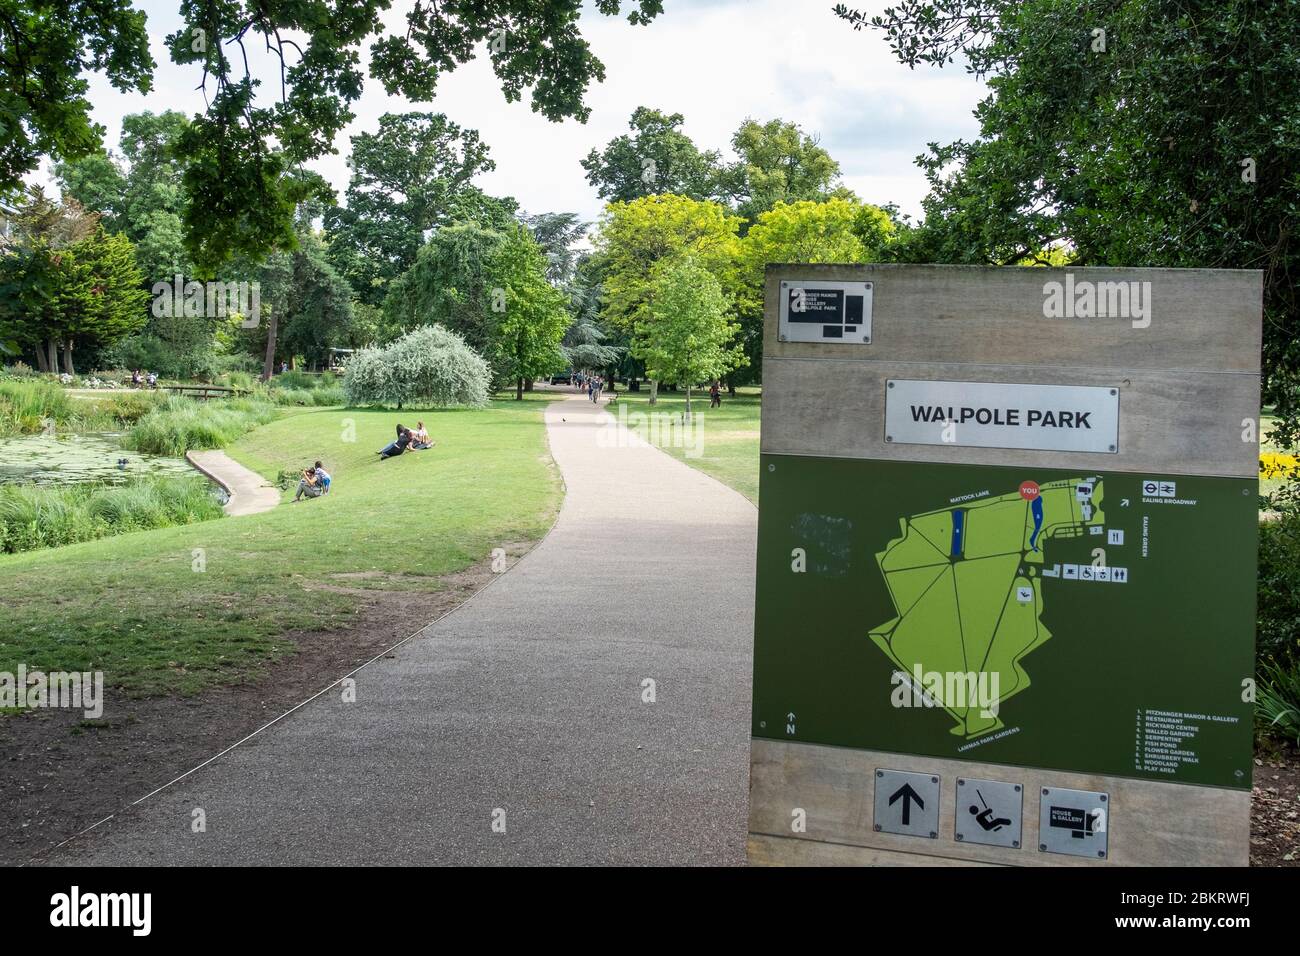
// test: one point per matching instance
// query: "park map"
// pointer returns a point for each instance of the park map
(966, 582)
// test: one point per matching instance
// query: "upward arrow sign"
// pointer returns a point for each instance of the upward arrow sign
(907, 794)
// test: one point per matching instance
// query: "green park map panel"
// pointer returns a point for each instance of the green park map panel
(1093, 622)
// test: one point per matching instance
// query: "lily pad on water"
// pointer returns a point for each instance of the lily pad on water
(46, 459)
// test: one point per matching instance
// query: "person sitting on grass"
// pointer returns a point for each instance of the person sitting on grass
(323, 477)
(396, 448)
(420, 438)
(309, 485)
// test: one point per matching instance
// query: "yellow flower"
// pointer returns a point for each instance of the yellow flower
(1274, 464)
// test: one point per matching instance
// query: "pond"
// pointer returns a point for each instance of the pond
(46, 460)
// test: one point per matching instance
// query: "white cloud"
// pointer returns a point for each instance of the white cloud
(715, 61)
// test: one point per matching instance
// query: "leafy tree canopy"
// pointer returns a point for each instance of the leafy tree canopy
(49, 49)
(67, 281)
(557, 233)
(1134, 133)
(239, 152)
(138, 190)
(590, 343)
(633, 237)
(450, 284)
(689, 335)
(412, 175)
(656, 158)
(313, 303)
(531, 313)
(777, 162)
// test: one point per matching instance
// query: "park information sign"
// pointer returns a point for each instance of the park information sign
(1006, 573)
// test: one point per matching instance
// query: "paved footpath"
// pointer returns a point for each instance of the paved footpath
(527, 699)
(249, 492)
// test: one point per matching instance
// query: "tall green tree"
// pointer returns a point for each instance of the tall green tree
(1134, 132)
(778, 163)
(412, 175)
(633, 237)
(451, 285)
(138, 190)
(532, 314)
(585, 345)
(558, 234)
(87, 291)
(588, 343)
(656, 158)
(37, 268)
(591, 343)
(311, 302)
(101, 299)
(688, 336)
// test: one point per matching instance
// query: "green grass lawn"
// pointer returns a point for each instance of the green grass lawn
(134, 607)
(728, 440)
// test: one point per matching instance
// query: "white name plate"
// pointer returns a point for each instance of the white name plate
(1000, 415)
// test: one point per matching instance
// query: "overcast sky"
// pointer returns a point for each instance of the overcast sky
(715, 61)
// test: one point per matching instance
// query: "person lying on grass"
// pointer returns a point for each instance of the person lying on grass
(404, 438)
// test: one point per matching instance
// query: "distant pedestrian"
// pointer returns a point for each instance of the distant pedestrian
(715, 395)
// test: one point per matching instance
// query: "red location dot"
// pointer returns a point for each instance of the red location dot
(1029, 490)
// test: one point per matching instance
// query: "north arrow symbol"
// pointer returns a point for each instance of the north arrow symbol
(908, 795)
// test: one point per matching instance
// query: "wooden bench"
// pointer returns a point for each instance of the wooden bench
(204, 392)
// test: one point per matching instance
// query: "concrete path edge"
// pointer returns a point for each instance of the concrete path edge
(249, 493)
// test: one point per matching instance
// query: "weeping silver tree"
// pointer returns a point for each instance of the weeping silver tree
(427, 366)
